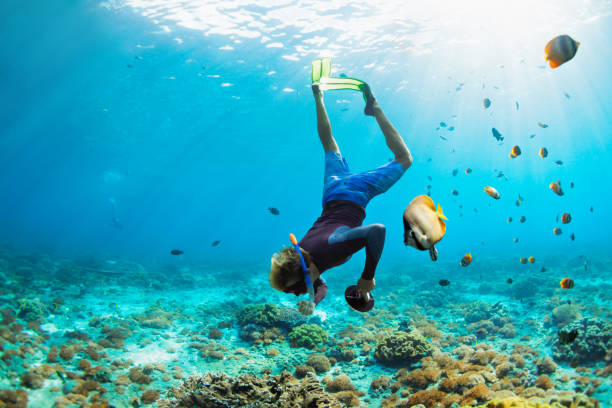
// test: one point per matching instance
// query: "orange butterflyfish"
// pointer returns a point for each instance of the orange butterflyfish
(557, 231)
(466, 260)
(556, 187)
(566, 218)
(492, 192)
(515, 240)
(523, 260)
(516, 151)
(531, 259)
(560, 49)
(509, 219)
(512, 155)
(567, 283)
(543, 152)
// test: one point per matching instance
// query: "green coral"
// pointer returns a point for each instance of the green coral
(308, 335)
(266, 315)
(402, 348)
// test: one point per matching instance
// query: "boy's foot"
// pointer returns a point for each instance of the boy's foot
(371, 103)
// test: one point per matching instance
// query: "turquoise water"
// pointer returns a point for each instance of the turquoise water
(130, 128)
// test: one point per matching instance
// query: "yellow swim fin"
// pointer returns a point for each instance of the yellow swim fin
(440, 213)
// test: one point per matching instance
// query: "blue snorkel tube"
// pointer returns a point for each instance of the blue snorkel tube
(309, 285)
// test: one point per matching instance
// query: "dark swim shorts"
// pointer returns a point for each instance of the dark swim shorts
(340, 184)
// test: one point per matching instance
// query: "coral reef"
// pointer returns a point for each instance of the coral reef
(556, 400)
(13, 399)
(590, 346)
(220, 391)
(476, 311)
(308, 336)
(402, 348)
(266, 315)
(565, 314)
(31, 309)
(319, 362)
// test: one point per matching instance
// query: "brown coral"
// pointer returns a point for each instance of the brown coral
(429, 398)
(149, 396)
(13, 399)
(319, 362)
(137, 376)
(546, 365)
(420, 379)
(340, 383)
(479, 393)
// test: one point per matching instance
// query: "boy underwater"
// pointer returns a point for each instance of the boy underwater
(338, 233)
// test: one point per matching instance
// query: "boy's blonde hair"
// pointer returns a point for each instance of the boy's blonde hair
(285, 266)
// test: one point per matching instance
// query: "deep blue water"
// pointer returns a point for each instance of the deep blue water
(99, 103)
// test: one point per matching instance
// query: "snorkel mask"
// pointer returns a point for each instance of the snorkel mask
(309, 286)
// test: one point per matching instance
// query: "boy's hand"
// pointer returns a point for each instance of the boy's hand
(365, 286)
(316, 91)
(306, 307)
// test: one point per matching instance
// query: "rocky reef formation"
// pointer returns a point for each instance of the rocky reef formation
(221, 391)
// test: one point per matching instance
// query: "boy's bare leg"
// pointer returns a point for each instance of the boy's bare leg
(392, 137)
(323, 125)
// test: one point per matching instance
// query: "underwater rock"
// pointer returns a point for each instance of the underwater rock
(593, 342)
(307, 335)
(402, 348)
(31, 309)
(221, 391)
